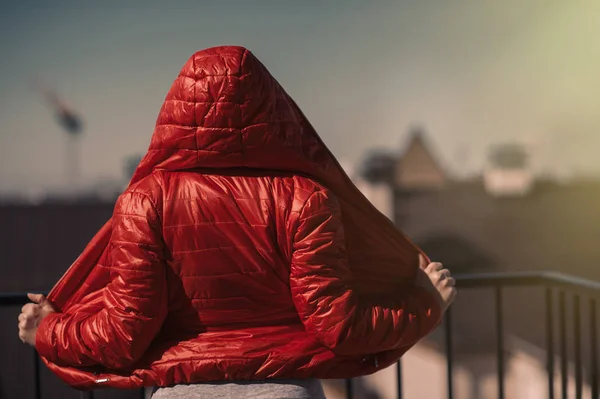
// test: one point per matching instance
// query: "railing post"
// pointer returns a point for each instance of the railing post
(449, 352)
(399, 378)
(577, 331)
(563, 344)
(500, 342)
(550, 342)
(593, 350)
(349, 391)
(36, 375)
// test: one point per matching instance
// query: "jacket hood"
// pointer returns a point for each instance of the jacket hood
(226, 110)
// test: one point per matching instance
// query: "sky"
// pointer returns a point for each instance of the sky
(473, 74)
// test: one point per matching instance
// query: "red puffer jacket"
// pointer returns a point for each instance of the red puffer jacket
(239, 251)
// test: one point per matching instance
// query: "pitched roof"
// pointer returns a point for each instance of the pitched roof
(417, 167)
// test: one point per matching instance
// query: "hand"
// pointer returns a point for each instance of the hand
(32, 315)
(438, 281)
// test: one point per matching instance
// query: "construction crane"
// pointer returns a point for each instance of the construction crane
(71, 122)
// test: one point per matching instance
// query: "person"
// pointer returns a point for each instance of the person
(240, 261)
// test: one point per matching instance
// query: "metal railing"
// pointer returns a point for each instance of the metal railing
(552, 282)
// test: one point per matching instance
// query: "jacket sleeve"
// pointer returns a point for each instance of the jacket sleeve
(134, 303)
(322, 290)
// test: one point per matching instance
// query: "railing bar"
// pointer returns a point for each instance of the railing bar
(500, 342)
(36, 375)
(475, 280)
(399, 379)
(478, 280)
(349, 390)
(593, 350)
(449, 352)
(550, 342)
(563, 345)
(577, 342)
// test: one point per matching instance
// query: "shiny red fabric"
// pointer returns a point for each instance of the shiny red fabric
(240, 251)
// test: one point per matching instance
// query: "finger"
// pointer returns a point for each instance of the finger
(433, 267)
(422, 262)
(452, 294)
(24, 317)
(28, 322)
(450, 282)
(444, 274)
(31, 308)
(37, 298)
(437, 276)
(28, 307)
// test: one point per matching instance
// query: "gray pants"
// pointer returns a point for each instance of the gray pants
(271, 389)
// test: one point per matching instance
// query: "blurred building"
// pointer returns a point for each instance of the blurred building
(508, 172)
(505, 221)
